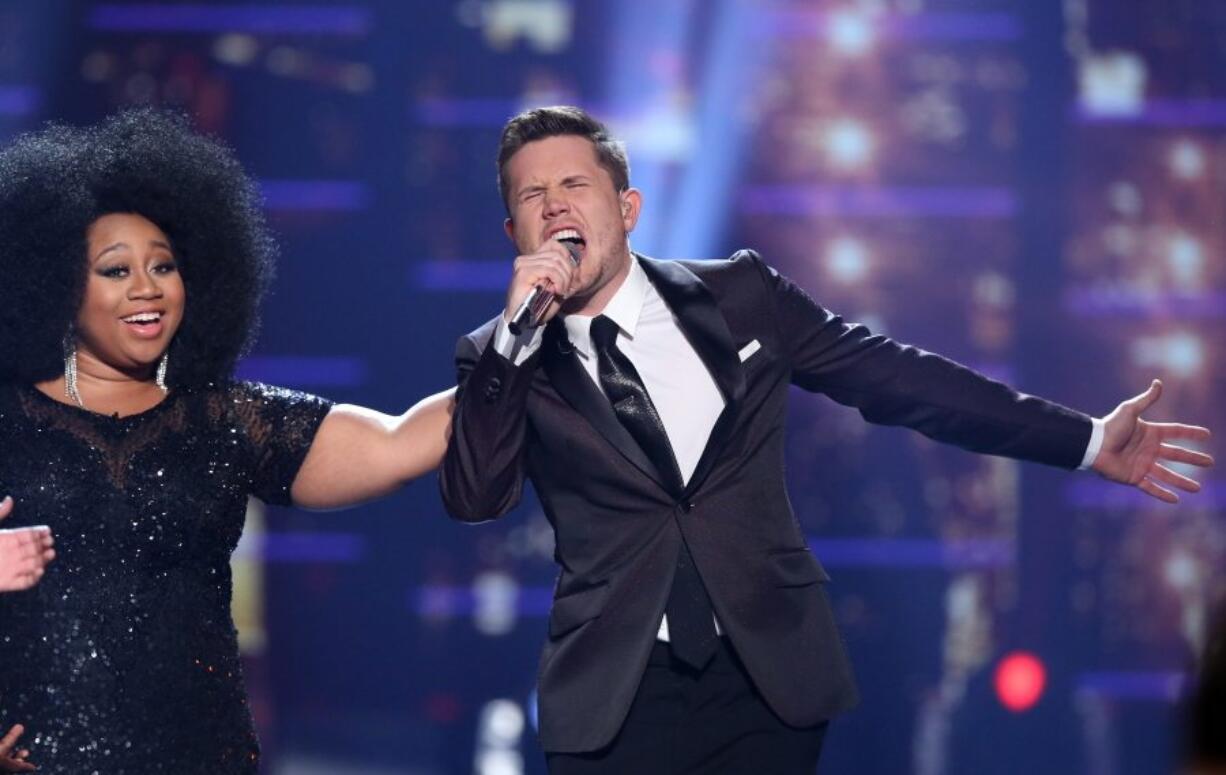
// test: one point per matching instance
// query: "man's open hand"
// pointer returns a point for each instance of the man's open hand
(1135, 451)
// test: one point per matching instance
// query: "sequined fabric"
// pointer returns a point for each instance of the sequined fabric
(124, 659)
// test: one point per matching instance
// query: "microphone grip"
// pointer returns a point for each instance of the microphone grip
(533, 307)
(530, 310)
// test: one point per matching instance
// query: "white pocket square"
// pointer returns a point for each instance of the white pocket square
(749, 350)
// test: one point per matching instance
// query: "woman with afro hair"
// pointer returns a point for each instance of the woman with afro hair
(133, 259)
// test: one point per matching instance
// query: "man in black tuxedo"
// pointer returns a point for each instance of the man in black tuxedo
(690, 629)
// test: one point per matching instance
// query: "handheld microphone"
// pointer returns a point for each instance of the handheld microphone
(533, 307)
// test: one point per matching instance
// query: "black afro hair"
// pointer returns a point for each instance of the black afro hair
(56, 182)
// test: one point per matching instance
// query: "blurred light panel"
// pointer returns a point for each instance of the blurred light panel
(645, 33)
(1187, 160)
(855, 201)
(1112, 84)
(298, 371)
(1186, 256)
(1167, 113)
(236, 49)
(1114, 301)
(850, 32)
(19, 100)
(849, 145)
(858, 29)
(283, 547)
(263, 19)
(914, 552)
(443, 601)
(699, 221)
(847, 259)
(1182, 353)
(1161, 686)
(1181, 571)
(315, 195)
(496, 599)
(1094, 494)
(479, 275)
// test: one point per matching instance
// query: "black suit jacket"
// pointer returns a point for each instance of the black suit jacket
(619, 526)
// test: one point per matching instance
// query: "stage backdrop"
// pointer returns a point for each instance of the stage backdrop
(1035, 189)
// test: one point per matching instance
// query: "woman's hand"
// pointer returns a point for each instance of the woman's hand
(24, 552)
(10, 760)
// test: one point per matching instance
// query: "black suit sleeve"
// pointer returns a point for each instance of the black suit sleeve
(896, 384)
(483, 471)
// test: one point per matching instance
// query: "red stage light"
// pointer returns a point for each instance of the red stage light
(1020, 680)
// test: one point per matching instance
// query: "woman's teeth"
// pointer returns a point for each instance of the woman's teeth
(143, 318)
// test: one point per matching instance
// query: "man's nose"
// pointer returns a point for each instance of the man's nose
(556, 203)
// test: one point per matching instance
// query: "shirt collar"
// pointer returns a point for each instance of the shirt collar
(624, 309)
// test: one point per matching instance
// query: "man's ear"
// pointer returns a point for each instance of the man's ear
(631, 205)
(509, 227)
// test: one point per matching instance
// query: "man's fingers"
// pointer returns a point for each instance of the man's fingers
(1150, 487)
(548, 272)
(1167, 476)
(1184, 455)
(6, 506)
(1145, 400)
(1176, 430)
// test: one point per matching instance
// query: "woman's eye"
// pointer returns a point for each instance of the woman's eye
(166, 267)
(114, 271)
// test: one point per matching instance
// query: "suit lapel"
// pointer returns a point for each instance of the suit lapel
(567, 376)
(707, 331)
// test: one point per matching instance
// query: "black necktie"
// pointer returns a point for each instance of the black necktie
(691, 620)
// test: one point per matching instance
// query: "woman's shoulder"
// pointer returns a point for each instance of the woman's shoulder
(257, 405)
(240, 391)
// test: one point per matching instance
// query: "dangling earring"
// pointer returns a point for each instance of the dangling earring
(161, 375)
(70, 370)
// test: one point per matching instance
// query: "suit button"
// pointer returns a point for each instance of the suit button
(686, 507)
(493, 390)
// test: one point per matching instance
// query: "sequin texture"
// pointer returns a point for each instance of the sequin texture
(124, 658)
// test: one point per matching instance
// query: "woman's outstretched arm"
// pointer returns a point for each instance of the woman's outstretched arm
(360, 454)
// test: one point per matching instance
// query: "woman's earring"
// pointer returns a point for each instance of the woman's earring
(70, 370)
(161, 375)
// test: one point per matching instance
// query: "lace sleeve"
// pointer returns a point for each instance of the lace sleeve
(280, 426)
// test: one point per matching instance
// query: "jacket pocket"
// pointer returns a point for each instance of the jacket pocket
(797, 568)
(576, 608)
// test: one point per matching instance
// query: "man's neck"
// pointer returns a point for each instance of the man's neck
(595, 304)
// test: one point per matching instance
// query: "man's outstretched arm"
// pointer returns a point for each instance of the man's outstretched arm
(896, 384)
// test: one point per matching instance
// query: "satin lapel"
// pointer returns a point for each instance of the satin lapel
(705, 328)
(567, 376)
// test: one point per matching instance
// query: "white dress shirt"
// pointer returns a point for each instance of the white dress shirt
(679, 383)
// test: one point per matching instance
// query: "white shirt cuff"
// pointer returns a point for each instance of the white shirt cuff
(1096, 443)
(516, 349)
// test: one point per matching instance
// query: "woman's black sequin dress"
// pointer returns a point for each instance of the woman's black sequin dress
(124, 658)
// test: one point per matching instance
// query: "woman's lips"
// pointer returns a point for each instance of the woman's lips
(144, 326)
(146, 330)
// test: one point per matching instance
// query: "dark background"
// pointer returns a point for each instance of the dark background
(1037, 189)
